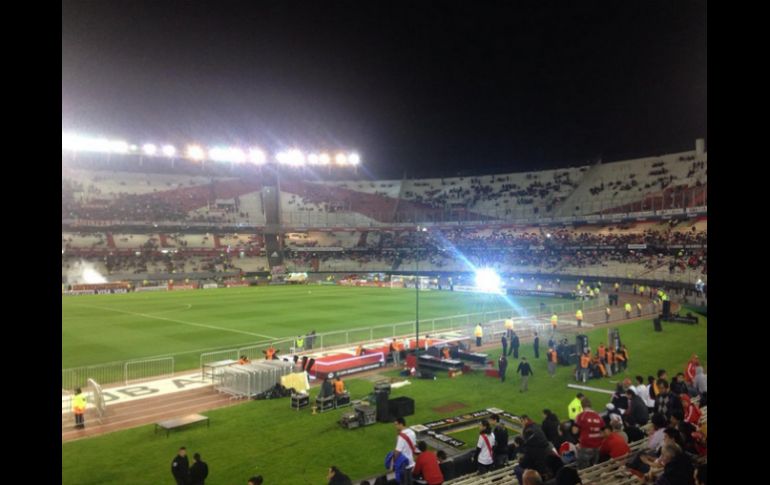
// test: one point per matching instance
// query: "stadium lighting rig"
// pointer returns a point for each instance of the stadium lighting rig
(293, 157)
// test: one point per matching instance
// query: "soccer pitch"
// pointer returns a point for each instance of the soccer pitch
(107, 328)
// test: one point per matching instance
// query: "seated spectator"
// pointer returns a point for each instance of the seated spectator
(568, 476)
(531, 477)
(336, 477)
(700, 474)
(677, 468)
(426, 468)
(637, 413)
(446, 465)
(612, 445)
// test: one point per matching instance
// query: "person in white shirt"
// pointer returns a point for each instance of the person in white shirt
(405, 445)
(643, 391)
(484, 447)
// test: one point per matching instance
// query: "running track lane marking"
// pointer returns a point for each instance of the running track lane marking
(145, 315)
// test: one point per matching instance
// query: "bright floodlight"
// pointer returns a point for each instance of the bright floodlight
(354, 159)
(195, 152)
(488, 280)
(312, 159)
(292, 157)
(257, 156)
(341, 159)
(324, 159)
(169, 150)
(149, 149)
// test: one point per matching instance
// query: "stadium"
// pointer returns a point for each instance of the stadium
(298, 306)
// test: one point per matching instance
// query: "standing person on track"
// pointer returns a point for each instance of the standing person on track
(536, 346)
(579, 317)
(79, 408)
(504, 341)
(554, 322)
(627, 307)
(515, 345)
(479, 333)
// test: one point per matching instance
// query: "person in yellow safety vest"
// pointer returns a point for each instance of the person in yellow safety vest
(575, 406)
(664, 297)
(628, 310)
(581, 282)
(607, 313)
(641, 290)
(79, 408)
(478, 332)
(299, 343)
(579, 317)
(554, 321)
(639, 309)
(590, 293)
(617, 287)
(578, 286)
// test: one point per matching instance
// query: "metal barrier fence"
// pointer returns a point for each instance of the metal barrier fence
(125, 372)
(137, 370)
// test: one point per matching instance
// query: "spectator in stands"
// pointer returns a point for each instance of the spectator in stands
(550, 426)
(666, 402)
(613, 445)
(255, 480)
(336, 477)
(656, 432)
(589, 424)
(677, 468)
(180, 467)
(533, 450)
(531, 477)
(568, 476)
(678, 385)
(405, 446)
(447, 466)
(700, 384)
(427, 467)
(692, 413)
(484, 454)
(643, 392)
(199, 470)
(617, 426)
(700, 474)
(501, 440)
(637, 413)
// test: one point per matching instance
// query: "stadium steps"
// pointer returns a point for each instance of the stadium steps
(147, 411)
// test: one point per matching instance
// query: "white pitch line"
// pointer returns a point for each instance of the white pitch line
(145, 315)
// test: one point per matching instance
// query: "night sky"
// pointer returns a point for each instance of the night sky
(426, 88)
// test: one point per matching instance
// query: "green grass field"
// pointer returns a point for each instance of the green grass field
(107, 328)
(296, 448)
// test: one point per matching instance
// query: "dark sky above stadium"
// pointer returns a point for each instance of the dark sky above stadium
(426, 88)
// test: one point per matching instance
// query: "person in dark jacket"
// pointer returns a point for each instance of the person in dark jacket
(336, 477)
(447, 465)
(536, 346)
(180, 467)
(501, 441)
(514, 346)
(502, 365)
(199, 471)
(534, 450)
(525, 370)
(504, 341)
(637, 413)
(678, 469)
(550, 426)
(666, 402)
